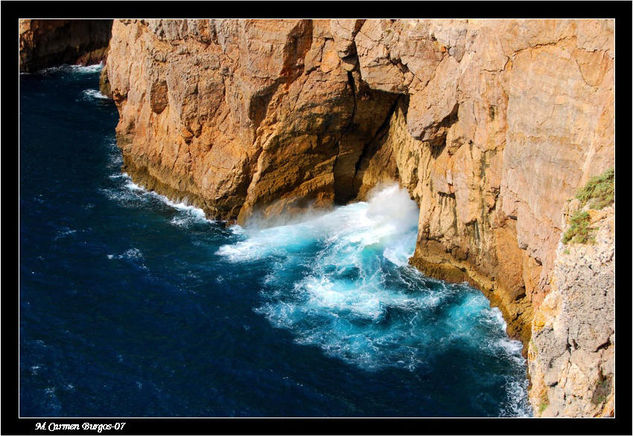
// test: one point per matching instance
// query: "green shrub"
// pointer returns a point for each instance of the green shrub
(579, 230)
(599, 191)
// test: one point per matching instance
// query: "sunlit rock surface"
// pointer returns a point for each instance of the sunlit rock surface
(491, 125)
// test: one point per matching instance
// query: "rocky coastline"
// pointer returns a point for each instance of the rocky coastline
(491, 125)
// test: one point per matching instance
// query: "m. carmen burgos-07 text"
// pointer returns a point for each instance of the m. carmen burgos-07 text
(86, 426)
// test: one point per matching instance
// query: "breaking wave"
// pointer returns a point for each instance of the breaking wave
(341, 281)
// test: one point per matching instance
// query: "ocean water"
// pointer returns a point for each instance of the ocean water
(133, 305)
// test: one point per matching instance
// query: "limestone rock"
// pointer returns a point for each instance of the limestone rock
(344, 33)
(259, 117)
(572, 350)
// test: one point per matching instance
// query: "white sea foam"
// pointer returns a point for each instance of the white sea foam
(81, 69)
(115, 160)
(388, 220)
(132, 253)
(517, 402)
(65, 231)
(342, 302)
(340, 281)
(94, 94)
(87, 69)
(129, 184)
(511, 348)
(129, 193)
(188, 213)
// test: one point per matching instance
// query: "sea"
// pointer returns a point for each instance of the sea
(133, 305)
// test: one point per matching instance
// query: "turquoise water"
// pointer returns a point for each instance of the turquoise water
(133, 305)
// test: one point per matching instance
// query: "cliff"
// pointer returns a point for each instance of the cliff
(491, 125)
(47, 43)
(571, 354)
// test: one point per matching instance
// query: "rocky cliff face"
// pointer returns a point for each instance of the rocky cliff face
(241, 117)
(47, 43)
(491, 125)
(571, 355)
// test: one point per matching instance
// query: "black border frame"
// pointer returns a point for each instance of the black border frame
(621, 11)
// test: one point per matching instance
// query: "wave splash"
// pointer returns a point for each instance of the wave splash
(341, 281)
(388, 222)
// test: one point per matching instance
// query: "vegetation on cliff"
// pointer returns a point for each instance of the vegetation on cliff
(598, 193)
(579, 231)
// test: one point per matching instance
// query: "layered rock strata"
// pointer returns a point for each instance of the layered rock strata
(491, 125)
(47, 43)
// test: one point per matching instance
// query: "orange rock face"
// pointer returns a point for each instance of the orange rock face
(47, 43)
(491, 125)
(241, 117)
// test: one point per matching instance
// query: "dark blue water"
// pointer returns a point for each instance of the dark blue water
(135, 306)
